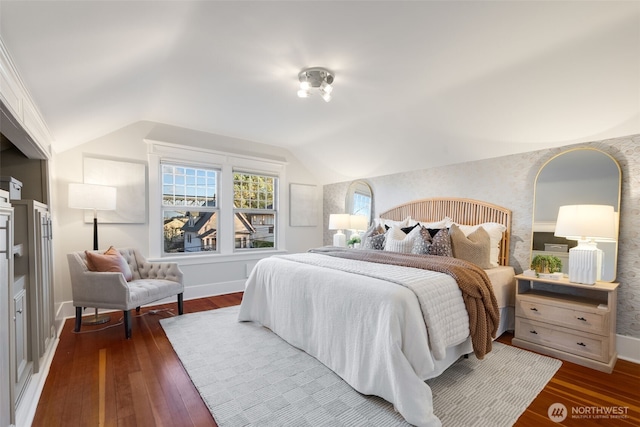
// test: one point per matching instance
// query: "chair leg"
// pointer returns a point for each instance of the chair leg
(180, 303)
(78, 319)
(127, 324)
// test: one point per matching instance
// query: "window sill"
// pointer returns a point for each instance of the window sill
(219, 258)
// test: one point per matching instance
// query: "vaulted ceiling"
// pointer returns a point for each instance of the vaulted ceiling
(418, 84)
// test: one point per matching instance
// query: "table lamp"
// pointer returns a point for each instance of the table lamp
(339, 222)
(588, 224)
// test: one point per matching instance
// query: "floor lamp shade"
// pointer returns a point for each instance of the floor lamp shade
(92, 196)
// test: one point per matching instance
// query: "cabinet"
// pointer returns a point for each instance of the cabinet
(6, 278)
(567, 320)
(34, 327)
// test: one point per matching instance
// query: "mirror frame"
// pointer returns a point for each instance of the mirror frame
(616, 207)
(351, 191)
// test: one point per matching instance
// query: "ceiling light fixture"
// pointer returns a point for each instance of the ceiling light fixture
(316, 78)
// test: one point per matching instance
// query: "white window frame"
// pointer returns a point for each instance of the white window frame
(274, 211)
(163, 207)
(225, 163)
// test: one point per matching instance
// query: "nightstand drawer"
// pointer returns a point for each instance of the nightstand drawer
(582, 344)
(563, 316)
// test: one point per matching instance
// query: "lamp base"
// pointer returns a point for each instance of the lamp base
(339, 239)
(96, 319)
(585, 261)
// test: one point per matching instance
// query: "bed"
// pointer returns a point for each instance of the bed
(384, 328)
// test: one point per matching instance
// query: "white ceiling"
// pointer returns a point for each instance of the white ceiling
(418, 84)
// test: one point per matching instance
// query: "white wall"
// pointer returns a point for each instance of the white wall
(204, 275)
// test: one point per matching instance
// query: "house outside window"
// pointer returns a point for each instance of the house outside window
(255, 214)
(189, 208)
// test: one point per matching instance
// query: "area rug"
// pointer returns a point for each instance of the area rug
(248, 376)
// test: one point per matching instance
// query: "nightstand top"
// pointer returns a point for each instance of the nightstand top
(600, 286)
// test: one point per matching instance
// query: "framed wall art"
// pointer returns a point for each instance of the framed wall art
(303, 207)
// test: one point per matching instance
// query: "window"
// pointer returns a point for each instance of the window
(254, 202)
(207, 202)
(189, 208)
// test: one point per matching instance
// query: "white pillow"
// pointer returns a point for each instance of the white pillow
(495, 231)
(398, 241)
(391, 223)
(443, 223)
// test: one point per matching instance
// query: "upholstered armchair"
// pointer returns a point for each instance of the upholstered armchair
(124, 281)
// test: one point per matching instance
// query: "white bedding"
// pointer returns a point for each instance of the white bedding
(367, 329)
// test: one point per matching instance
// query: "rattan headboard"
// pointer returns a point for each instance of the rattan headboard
(461, 211)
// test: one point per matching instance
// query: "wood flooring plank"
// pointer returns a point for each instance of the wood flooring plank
(146, 383)
(145, 414)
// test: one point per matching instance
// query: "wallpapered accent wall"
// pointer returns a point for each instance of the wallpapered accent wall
(509, 181)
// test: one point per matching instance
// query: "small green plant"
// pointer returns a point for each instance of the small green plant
(355, 238)
(546, 264)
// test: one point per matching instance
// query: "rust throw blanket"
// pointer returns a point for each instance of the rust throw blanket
(477, 292)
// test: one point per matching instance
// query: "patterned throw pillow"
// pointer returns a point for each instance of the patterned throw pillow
(475, 247)
(440, 243)
(398, 241)
(422, 242)
(375, 242)
(374, 230)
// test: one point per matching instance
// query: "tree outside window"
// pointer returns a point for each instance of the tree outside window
(255, 214)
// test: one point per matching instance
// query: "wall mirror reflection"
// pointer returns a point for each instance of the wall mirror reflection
(582, 176)
(359, 199)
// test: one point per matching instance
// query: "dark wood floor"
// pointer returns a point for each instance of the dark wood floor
(100, 379)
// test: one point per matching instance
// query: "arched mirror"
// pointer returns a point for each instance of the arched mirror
(359, 199)
(583, 176)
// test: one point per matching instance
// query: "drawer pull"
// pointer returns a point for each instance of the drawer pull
(582, 318)
(581, 344)
(533, 309)
(533, 332)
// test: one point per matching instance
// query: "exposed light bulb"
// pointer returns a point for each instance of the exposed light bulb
(326, 96)
(326, 87)
(302, 93)
(305, 85)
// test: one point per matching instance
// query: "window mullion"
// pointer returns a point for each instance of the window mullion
(225, 192)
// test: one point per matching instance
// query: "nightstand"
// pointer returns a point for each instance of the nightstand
(567, 320)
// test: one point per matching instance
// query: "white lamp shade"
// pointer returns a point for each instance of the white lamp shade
(582, 222)
(358, 222)
(339, 221)
(92, 196)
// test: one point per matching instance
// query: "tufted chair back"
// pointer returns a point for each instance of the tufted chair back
(150, 282)
(143, 269)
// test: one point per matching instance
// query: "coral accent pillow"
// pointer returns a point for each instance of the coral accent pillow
(110, 261)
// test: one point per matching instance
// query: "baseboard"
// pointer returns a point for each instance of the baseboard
(628, 348)
(26, 410)
(66, 309)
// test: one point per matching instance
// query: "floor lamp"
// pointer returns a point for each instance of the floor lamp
(97, 198)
